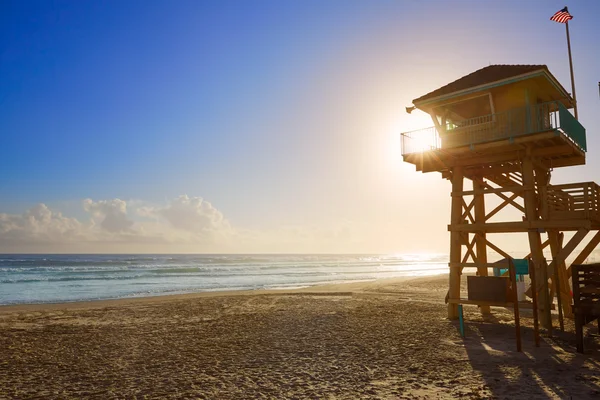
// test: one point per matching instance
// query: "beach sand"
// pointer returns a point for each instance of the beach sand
(388, 339)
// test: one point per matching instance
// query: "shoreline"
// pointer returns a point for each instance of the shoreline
(382, 339)
(356, 286)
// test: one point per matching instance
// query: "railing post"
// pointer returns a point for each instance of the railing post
(586, 199)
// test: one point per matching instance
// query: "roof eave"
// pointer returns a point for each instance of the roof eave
(513, 79)
(557, 85)
(478, 88)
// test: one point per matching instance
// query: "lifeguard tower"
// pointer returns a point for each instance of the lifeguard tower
(505, 128)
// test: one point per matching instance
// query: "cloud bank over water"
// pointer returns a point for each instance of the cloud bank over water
(182, 224)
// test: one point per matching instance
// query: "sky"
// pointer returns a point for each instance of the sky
(250, 126)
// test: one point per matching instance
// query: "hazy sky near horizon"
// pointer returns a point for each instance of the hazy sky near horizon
(249, 126)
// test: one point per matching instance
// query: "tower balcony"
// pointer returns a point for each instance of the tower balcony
(549, 128)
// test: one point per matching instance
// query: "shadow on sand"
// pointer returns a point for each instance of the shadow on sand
(552, 371)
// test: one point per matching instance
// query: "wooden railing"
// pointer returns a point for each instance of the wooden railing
(543, 117)
(586, 298)
(575, 200)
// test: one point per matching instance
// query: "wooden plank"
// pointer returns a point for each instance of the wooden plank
(525, 226)
(577, 185)
(489, 189)
(552, 151)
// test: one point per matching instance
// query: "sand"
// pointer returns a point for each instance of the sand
(379, 340)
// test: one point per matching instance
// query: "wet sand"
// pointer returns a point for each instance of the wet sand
(387, 339)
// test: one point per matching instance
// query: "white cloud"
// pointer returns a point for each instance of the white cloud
(113, 214)
(184, 224)
(39, 225)
(191, 214)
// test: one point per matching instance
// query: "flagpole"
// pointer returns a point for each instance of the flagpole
(571, 66)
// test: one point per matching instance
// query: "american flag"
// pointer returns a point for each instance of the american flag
(562, 16)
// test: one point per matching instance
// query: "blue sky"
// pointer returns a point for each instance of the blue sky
(283, 117)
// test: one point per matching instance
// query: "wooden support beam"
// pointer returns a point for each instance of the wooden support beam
(455, 240)
(494, 247)
(478, 149)
(441, 129)
(507, 199)
(558, 277)
(544, 245)
(525, 226)
(585, 253)
(535, 241)
(480, 240)
(489, 189)
(467, 210)
(568, 249)
(552, 151)
(469, 251)
(441, 163)
(536, 330)
(513, 280)
(482, 171)
(560, 254)
(501, 206)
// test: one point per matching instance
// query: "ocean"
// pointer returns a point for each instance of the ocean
(52, 278)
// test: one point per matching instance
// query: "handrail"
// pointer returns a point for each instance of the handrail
(542, 117)
(570, 200)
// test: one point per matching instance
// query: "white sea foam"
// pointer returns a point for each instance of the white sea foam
(60, 278)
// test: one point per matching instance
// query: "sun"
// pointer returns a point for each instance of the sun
(418, 133)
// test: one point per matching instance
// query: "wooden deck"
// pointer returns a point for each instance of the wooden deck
(553, 149)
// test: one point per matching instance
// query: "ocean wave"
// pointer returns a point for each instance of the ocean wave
(55, 278)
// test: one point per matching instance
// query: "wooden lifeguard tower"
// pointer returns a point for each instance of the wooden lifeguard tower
(505, 128)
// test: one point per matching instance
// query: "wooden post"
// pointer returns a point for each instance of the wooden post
(536, 328)
(558, 299)
(455, 240)
(515, 301)
(461, 320)
(535, 241)
(547, 315)
(556, 246)
(480, 239)
(578, 315)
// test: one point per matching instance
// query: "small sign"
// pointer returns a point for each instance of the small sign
(488, 288)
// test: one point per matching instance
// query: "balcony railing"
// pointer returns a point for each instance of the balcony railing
(543, 117)
(576, 200)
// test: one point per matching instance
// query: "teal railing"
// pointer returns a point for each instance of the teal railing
(571, 127)
(543, 117)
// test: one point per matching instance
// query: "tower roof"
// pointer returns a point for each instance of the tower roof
(486, 76)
